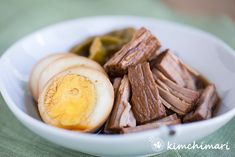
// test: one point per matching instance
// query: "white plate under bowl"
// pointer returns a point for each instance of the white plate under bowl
(213, 58)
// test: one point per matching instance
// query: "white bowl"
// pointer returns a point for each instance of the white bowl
(213, 58)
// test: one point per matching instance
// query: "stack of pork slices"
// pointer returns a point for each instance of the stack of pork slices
(154, 88)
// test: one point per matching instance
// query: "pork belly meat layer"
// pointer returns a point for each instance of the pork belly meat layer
(141, 48)
(185, 94)
(176, 98)
(205, 105)
(146, 103)
(174, 69)
(121, 115)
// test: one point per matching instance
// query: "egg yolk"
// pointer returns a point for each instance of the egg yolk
(70, 100)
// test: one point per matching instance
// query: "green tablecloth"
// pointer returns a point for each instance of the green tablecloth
(20, 17)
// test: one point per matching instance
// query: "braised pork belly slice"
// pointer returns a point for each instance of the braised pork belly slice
(188, 95)
(205, 105)
(146, 103)
(174, 103)
(171, 107)
(174, 69)
(121, 115)
(141, 48)
(169, 120)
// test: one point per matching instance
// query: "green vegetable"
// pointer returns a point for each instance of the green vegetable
(101, 48)
(125, 34)
(97, 51)
(82, 49)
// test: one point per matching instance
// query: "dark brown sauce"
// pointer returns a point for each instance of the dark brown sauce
(203, 82)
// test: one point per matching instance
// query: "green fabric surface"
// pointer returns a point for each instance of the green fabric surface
(21, 17)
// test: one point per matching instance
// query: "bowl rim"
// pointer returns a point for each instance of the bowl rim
(24, 117)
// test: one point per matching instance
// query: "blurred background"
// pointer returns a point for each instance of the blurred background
(21, 17)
